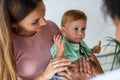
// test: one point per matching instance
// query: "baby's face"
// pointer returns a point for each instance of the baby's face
(75, 31)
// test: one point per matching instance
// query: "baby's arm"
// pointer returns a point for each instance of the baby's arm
(97, 48)
(59, 45)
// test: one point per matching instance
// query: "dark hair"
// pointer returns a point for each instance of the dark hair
(112, 7)
(18, 9)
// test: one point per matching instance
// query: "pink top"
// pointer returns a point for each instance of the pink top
(32, 54)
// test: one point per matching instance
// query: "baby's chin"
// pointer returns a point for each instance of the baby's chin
(76, 42)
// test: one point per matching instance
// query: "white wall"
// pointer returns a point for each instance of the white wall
(97, 27)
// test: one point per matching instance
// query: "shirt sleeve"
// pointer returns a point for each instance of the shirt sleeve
(53, 50)
(55, 29)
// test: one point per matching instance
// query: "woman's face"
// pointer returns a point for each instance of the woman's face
(33, 22)
(118, 32)
(117, 23)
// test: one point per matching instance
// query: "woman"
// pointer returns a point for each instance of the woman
(112, 7)
(24, 28)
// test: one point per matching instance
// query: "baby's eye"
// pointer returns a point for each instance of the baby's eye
(76, 28)
(83, 29)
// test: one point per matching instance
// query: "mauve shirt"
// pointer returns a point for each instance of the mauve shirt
(32, 54)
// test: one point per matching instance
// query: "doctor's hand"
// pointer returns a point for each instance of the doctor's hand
(82, 70)
(94, 63)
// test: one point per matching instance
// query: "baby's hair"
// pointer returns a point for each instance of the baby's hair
(72, 15)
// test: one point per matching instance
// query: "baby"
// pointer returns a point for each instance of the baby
(72, 45)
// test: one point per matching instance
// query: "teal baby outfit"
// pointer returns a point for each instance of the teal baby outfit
(71, 49)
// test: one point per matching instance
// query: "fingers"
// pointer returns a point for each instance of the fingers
(59, 45)
(84, 66)
(92, 56)
(93, 59)
(57, 38)
(60, 63)
(57, 41)
(85, 76)
(76, 66)
(56, 65)
(81, 67)
(89, 69)
(61, 77)
(67, 73)
(97, 48)
(85, 70)
(99, 44)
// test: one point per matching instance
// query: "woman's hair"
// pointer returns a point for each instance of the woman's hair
(72, 15)
(11, 11)
(112, 7)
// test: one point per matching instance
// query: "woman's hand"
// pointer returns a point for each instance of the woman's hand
(58, 64)
(67, 75)
(96, 67)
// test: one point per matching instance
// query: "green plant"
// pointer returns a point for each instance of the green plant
(116, 45)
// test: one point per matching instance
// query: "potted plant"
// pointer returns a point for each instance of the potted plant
(116, 44)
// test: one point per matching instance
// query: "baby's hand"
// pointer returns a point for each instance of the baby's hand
(59, 45)
(97, 48)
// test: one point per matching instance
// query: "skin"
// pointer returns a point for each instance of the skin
(117, 24)
(74, 31)
(83, 70)
(93, 62)
(33, 23)
(55, 65)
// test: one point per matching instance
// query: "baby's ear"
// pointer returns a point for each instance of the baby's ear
(63, 30)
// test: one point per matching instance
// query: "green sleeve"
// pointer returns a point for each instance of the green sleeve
(53, 50)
